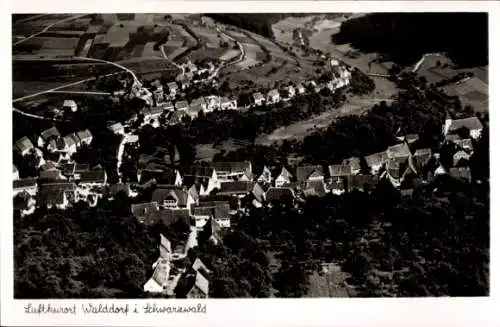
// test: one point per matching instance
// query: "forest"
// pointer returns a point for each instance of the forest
(405, 37)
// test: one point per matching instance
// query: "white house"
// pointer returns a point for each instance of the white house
(172, 88)
(300, 89)
(284, 177)
(24, 146)
(228, 104)
(273, 96)
(181, 105)
(213, 102)
(84, 136)
(117, 128)
(70, 105)
(258, 99)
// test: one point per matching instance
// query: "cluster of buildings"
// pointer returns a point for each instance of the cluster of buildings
(340, 77)
(174, 276)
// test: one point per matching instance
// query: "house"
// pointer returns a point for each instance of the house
(199, 288)
(93, 178)
(218, 210)
(257, 195)
(310, 173)
(198, 105)
(176, 117)
(114, 189)
(376, 161)
(67, 144)
(168, 106)
(52, 175)
(420, 160)
(70, 105)
(207, 176)
(312, 85)
(300, 89)
(237, 188)
(28, 185)
(361, 182)
(228, 104)
(84, 136)
(57, 194)
(315, 188)
(289, 91)
(334, 62)
(265, 176)
(15, 173)
(354, 164)
(464, 144)
(117, 128)
(24, 146)
(401, 150)
(212, 229)
(142, 210)
(181, 105)
(273, 96)
(213, 102)
(462, 173)
(173, 197)
(158, 282)
(169, 216)
(258, 99)
(47, 135)
(473, 124)
(284, 177)
(281, 194)
(172, 88)
(459, 156)
(396, 170)
(151, 113)
(233, 170)
(337, 185)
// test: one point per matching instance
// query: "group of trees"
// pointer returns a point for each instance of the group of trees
(86, 252)
(405, 37)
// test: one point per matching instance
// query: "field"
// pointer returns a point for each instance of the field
(206, 152)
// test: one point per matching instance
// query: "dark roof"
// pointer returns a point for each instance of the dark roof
(318, 187)
(51, 132)
(141, 210)
(93, 176)
(23, 183)
(376, 158)
(353, 162)
(360, 181)
(279, 193)
(420, 159)
(118, 187)
(53, 193)
(236, 187)
(79, 168)
(162, 175)
(152, 111)
(303, 172)
(216, 209)
(232, 167)
(50, 174)
(199, 171)
(461, 173)
(168, 216)
(68, 169)
(65, 186)
(337, 183)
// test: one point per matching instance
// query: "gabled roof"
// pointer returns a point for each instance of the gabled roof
(163, 175)
(24, 144)
(24, 183)
(183, 104)
(257, 96)
(465, 144)
(85, 134)
(200, 171)
(318, 187)
(360, 181)
(395, 168)
(169, 216)
(50, 174)
(232, 166)
(152, 111)
(376, 159)
(116, 126)
(140, 210)
(69, 140)
(50, 165)
(172, 85)
(165, 243)
(353, 162)
(93, 176)
(398, 150)
(178, 193)
(279, 194)
(238, 187)
(198, 265)
(69, 103)
(461, 173)
(471, 123)
(51, 132)
(285, 173)
(304, 172)
(258, 192)
(216, 209)
(198, 102)
(273, 93)
(337, 183)
(339, 170)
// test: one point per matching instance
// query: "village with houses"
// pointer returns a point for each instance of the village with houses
(53, 172)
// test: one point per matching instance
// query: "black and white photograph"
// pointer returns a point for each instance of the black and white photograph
(250, 155)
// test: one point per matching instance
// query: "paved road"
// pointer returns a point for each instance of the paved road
(34, 116)
(82, 92)
(49, 27)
